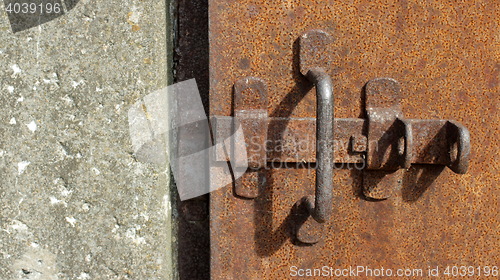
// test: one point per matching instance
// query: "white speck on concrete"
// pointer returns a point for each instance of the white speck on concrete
(71, 221)
(20, 99)
(52, 80)
(16, 69)
(18, 226)
(2, 153)
(65, 153)
(68, 99)
(65, 192)
(96, 171)
(34, 245)
(32, 126)
(10, 89)
(55, 201)
(12, 121)
(62, 187)
(86, 207)
(88, 258)
(19, 229)
(132, 234)
(135, 15)
(21, 167)
(97, 89)
(75, 84)
(145, 216)
(83, 276)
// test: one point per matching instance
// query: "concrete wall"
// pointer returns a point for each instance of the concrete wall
(74, 202)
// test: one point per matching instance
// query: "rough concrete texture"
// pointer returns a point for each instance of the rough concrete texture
(74, 202)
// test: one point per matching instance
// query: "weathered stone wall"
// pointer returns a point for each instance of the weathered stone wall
(74, 202)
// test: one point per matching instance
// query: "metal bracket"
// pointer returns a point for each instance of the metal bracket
(390, 139)
(250, 111)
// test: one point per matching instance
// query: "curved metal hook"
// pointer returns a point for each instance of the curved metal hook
(320, 205)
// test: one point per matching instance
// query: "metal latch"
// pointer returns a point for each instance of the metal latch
(383, 144)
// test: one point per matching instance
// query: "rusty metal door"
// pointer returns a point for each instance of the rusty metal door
(402, 209)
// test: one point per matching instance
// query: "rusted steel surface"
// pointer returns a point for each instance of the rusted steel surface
(250, 184)
(446, 58)
(315, 51)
